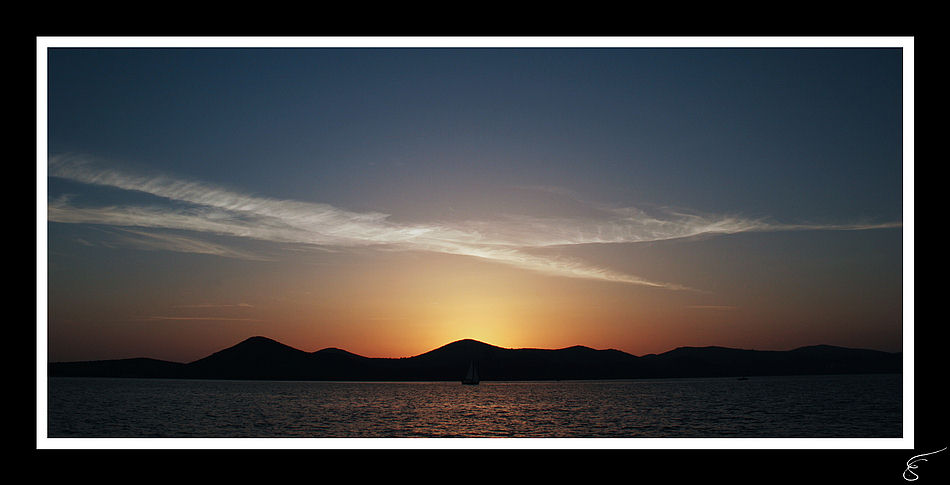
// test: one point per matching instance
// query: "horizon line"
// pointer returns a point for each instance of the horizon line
(259, 337)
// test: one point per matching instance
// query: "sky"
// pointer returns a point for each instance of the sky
(388, 201)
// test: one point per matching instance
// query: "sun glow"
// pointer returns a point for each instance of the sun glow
(488, 326)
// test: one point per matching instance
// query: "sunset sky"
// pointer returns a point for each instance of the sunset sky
(388, 201)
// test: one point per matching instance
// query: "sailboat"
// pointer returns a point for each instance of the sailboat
(472, 376)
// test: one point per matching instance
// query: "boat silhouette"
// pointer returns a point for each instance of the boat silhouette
(471, 377)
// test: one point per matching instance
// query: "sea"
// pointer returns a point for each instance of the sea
(827, 406)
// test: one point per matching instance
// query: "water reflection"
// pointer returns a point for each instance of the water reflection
(777, 407)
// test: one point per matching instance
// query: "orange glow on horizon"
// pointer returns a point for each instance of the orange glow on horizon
(404, 304)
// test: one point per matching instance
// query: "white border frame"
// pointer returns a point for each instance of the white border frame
(905, 442)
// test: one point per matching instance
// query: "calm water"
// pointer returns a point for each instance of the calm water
(862, 406)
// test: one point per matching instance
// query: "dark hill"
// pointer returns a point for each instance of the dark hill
(722, 362)
(254, 358)
(263, 358)
(139, 367)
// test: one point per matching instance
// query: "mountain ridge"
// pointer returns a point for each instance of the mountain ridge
(262, 358)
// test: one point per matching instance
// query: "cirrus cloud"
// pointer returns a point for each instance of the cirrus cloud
(213, 210)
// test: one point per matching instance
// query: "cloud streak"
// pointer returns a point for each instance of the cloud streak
(183, 244)
(209, 209)
(216, 305)
(206, 319)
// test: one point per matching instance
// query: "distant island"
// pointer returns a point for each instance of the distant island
(261, 358)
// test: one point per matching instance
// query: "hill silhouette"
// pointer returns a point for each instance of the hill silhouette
(261, 358)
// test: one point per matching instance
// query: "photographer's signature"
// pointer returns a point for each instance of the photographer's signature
(909, 474)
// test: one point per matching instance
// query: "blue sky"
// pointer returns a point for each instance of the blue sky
(782, 133)
(609, 165)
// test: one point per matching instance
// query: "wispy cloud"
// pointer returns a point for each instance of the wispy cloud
(183, 244)
(216, 305)
(713, 307)
(213, 210)
(209, 319)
